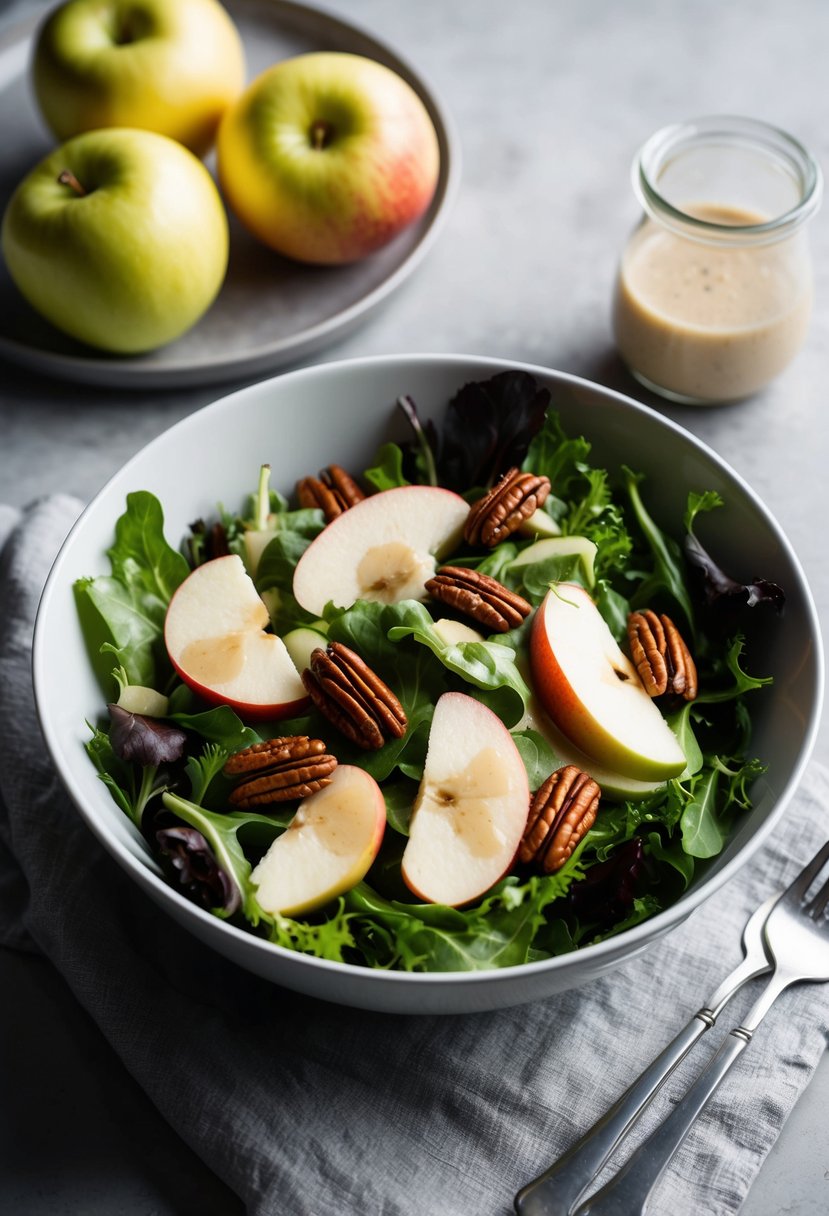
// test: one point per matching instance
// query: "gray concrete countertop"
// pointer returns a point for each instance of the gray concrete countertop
(551, 101)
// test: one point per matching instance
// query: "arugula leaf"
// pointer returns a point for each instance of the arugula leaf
(539, 758)
(203, 769)
(275, 571)
(743, 682)
(387, 471)
(485, 665)
(668, 575)
(498, 932)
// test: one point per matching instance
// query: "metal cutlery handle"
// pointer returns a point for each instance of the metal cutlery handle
(627, 1193)
(558, 1189)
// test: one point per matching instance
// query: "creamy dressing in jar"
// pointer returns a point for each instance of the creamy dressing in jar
(713, 296)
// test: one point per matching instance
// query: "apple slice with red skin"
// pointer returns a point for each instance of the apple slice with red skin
(327, 848)
(215, 636)
(471, 808)
(385, 548)
(592, 691)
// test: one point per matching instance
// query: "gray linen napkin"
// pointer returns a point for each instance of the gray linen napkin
(312, 1110)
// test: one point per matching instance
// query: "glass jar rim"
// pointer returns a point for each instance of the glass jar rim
(671, 141)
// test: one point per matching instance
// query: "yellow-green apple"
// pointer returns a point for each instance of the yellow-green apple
(119, 238)
(592, 691)
(171, 66)
(328, 156)
(385, 548)
(471, 808)
(215, 636)
(328, 846)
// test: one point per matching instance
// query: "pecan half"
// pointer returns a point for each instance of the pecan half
(279, 770)
(479, 597)
(352, 697)
(660, 655)
(510, 501)
(562, 812)
(334, 491)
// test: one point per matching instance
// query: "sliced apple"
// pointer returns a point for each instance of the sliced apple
(561, 546)
(215, 636)
(471, 808)
(451, 633)
(385, 548)
(539, 524)
(614, 786)
(592, 691)
(301, 642)
(327, 848)
(136, 699)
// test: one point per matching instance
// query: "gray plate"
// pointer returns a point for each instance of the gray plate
(271, 311)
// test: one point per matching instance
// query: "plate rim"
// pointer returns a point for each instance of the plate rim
(132, 372)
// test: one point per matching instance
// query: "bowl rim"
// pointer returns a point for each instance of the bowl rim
(590, 957)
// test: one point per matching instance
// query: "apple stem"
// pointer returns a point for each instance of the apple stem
(67, 178)
(321, 134)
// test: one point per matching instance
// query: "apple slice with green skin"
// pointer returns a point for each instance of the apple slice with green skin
(471, 808)
(561, 546)
(215, 636)
(614, 786)
(385, 548)
(539, 524)
(592, 691)
(327, 848)
(301, 642)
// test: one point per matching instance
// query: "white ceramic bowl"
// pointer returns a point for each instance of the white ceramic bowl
(343, 411)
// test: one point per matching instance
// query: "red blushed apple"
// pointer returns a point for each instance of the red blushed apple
(328, 156)
(592, 691)
(327, 848)
(471, 808)
(215, 636)
(385, 548)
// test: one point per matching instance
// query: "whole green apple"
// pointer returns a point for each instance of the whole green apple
(171, 66)
(327, 156)
(119, 238)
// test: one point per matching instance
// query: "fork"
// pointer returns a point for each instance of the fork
(796, 936)
(556, 1192)
(558, 1189)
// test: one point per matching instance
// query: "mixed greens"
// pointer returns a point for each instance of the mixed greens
(164, 769)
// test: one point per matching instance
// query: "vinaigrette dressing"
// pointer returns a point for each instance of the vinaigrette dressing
(710, 321)
(714, 288)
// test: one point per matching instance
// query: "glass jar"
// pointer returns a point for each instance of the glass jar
(714, 289)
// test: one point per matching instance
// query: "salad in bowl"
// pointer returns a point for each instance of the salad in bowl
(475, 698)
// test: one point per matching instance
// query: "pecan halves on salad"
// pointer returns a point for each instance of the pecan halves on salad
(334, 491)
(661, 656)
(500, 512)
(353, 697)
(562, 812)
(279, 770)
(481, 598)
